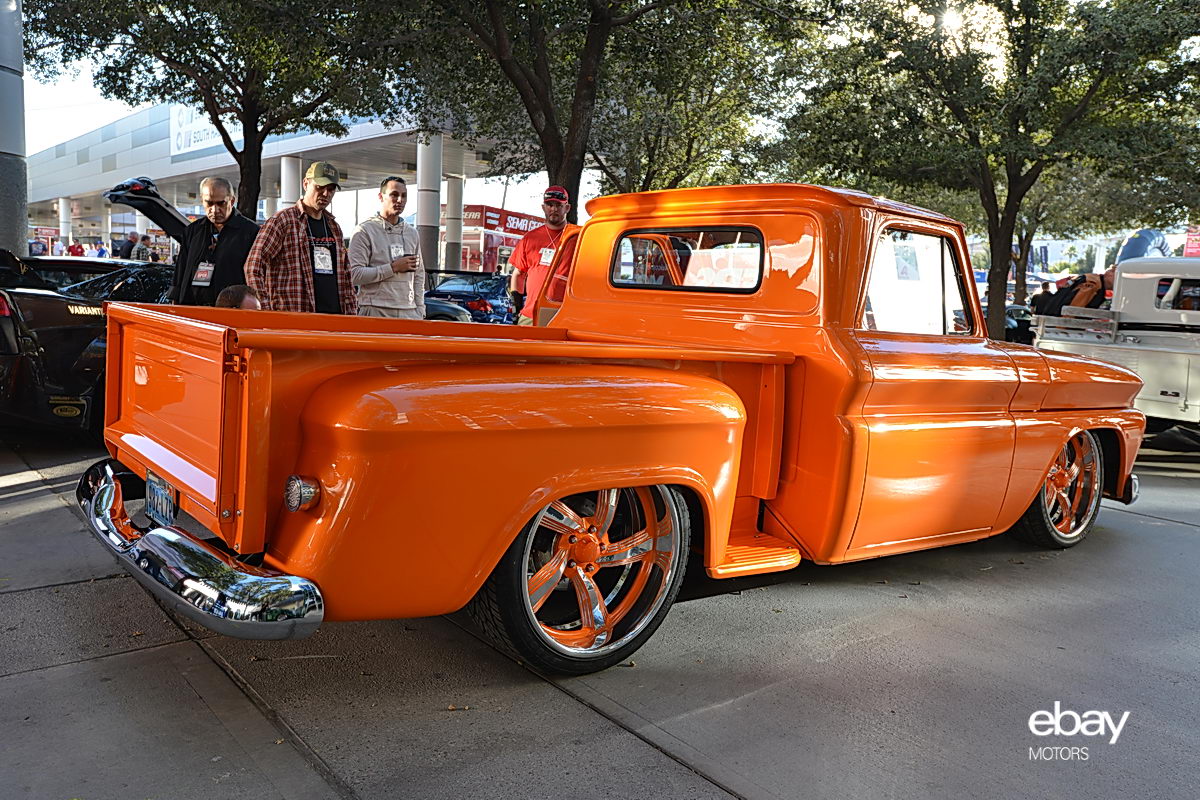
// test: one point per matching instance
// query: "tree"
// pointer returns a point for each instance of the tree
(988, 96)
(689, 119)
(254, 69)
(529, 76)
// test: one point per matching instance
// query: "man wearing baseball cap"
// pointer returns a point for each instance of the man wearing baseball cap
(532, 256)
(298, 262)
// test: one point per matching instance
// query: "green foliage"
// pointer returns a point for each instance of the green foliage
(269, 69)
(658, 92)
(989, 96)
(682, 93)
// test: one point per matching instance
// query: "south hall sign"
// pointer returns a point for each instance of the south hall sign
(191, 130)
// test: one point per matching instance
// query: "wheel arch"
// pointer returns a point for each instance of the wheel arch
(1110, 458)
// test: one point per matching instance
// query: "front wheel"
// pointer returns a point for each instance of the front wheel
(1065, 509)
(588, 580)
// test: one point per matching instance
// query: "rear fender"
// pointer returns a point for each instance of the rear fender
(429, 472)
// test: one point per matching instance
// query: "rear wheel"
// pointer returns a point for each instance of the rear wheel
(1065, 509)
(588, 580)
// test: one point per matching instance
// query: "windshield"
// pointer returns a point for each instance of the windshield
(488, 285)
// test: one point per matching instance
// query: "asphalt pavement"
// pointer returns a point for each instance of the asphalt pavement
(909, 676)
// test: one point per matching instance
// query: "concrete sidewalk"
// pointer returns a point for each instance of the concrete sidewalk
(102, 694)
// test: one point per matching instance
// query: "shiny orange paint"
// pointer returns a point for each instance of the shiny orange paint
(797, 433)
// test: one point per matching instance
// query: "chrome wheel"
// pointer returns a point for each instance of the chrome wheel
(589, 579)
(1071, 493)
(1069, 501)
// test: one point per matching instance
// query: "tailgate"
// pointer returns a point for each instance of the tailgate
(173, 405)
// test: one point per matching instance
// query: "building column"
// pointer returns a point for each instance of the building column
(429, 201)
(14, 186)
(106, 225)
(291, 176)
(270, 206)
(454, 218)
(141, 223)
(64, 220)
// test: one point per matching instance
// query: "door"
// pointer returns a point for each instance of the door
(939, 432)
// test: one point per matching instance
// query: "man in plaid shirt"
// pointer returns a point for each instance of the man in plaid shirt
(298, 261)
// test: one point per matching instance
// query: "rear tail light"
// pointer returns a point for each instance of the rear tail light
(479, 305)
(301, 493)
(5, 311)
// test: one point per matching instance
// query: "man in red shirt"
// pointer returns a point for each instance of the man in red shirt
(76, 249)
(532, 256)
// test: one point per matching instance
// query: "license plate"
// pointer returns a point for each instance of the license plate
(162, 501)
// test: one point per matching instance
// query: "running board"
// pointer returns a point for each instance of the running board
(753, 553)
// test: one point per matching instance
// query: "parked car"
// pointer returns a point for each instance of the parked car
(52, 345)
(52, 272)
(483, 294)
(445, 311)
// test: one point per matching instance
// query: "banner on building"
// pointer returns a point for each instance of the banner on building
(191, 131)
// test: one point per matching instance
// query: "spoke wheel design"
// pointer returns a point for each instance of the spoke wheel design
(1067, 505)
(589, 579)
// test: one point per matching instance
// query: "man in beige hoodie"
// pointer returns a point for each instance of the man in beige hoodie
(385, 259)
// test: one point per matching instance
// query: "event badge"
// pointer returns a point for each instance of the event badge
(397, 250)
(203, 274)
(547, 255)
(322, 261)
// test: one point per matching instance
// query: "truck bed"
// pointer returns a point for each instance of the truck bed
(210, 399)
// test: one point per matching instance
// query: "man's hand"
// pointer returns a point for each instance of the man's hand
(404, 264)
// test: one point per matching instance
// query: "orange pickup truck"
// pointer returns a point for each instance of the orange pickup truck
(759, 374)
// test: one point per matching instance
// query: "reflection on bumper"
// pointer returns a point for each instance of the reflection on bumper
(191, 576)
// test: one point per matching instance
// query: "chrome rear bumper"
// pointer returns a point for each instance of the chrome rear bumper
(1132, 487)
(191, 576)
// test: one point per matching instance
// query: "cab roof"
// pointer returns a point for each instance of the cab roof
(748, 196)
(1180, 267)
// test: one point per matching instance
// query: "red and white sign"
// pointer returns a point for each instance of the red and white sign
(1191, 247)
(491, 218)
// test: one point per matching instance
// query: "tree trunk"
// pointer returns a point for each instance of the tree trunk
(250, 179)
(1000, 236)
(1024, 246)
(583, 107)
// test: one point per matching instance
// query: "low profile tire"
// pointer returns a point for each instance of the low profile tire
(1068, 503)
(588, 580)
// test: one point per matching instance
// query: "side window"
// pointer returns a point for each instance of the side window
(711, 259)
(1178, 293)
(915, 286)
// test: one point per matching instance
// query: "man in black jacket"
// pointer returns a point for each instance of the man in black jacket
(214, 249)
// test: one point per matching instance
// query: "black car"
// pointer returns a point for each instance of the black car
(483, 294)
(52, 345)
(53, 272)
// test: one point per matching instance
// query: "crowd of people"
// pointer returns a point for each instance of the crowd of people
(298, 260)
(133, 247)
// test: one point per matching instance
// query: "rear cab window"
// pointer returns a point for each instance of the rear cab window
(701, 259)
